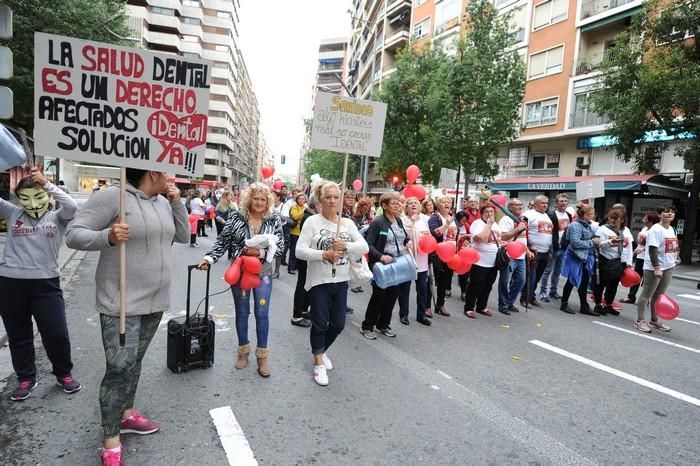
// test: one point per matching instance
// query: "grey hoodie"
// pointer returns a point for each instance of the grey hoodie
(154, 223)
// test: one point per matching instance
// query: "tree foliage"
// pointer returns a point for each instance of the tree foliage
(330, 165)
(652, 82)
(455, 111)
(83, 19)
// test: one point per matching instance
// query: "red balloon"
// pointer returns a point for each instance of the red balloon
(455, 262)
(446, 250)
(233, 273)
(357, 185)
(249, 281)
(412, 173)
(427, 244)
(277, 185)
(516, 249)
(251, 264)
(268, 171)
(464, 268)
(666, 308)
(630, 278)
(500, 198)
(418, 191)
(470, 255)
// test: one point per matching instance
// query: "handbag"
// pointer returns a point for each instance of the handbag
(360, 272)
(502, 257)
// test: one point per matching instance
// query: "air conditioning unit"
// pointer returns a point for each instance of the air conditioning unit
(578, 173)
(583, 161)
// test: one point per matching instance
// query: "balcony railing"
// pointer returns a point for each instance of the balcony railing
(586, 118)
(590, 63)
(596, 7)
(449, 24)
(538, 172)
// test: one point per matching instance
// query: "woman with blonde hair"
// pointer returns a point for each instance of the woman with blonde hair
(224, 208)
(328, 255)
(255, 218)
(443, 228)
(416, 226)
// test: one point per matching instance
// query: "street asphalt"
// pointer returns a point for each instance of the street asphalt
(541, 387)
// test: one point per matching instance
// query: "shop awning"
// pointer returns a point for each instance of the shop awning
(654, 184)
(610, 19)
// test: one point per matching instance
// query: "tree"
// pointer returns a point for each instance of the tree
(330, 165)
(651, 83)
(455, 111)
(83, 19)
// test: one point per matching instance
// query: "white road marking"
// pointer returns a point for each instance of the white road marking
(689, 296)
(232, 437)
(618, 373)
(648, 337)
(435, 387)
(688, 321)
(447, 376)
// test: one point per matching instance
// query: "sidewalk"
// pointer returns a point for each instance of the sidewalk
(64, 257)
(688, 272)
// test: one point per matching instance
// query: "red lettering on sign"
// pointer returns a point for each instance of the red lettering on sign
(112, 61)
(189, 131)
(56, 82)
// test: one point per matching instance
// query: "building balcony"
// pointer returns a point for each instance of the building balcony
(537, 172)
(446, 26)
(585, 118)
(398, 40)
(593, 8)
(398, 6)
(589, 63)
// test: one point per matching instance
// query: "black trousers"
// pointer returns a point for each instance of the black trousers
(639, 268)
(42, 299)
(463, 281)
(443, 281)
(301, 297)
(608, 283)
(380, 307)
(539, 264)
(481, 281)
(201, 231)
(582, 290)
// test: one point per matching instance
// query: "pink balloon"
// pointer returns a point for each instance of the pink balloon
(515, 249)
(446, 250)
(427, 244)
(470, 255)
(357, 185)
(500, 198)
(630, 278)
(666, 308)
(412, 173)
(267, 171)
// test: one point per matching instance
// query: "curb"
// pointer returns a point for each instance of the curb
(3, 337)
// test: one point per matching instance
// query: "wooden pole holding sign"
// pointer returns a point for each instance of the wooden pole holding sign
(122, 259)
(340, 205)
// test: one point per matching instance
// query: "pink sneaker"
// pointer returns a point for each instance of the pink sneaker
(110, 458)
(137, 424)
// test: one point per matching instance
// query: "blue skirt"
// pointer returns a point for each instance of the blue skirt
(573, 267)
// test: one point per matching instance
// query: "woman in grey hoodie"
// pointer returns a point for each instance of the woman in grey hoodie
(152, 222)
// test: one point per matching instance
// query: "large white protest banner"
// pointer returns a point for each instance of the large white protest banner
(118, 106)
(348, 125)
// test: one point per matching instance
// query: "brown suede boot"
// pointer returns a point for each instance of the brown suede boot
(243, 352)
(263, 366)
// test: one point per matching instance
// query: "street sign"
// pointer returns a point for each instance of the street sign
(120, 106)
(6, 63)
(347, 125)
(590, 189)
(6, 103)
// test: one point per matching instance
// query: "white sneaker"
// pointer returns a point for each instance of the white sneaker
(642, 326)
(320, 375)
(657, 324)
(327, 362)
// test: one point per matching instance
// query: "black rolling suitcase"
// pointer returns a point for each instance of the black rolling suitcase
(191, 338)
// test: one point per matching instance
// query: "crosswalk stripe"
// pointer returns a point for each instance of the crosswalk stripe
(618, 373)
(232, 437)
(688, 321)
(648, 337)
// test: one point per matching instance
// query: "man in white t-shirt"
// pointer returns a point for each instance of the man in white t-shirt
(539, 241)
(512, 280)
(561, 219)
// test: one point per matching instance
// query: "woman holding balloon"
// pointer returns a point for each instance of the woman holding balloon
(422, 244)
(512, 280)
(661, 257)
(254, 224)
(486, 238)
(444, 229)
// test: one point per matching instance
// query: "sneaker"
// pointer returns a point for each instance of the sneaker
(301, 322)
(642, 326)
(386, 332)
(320, 375)
(513, 309)
(112, 458)
(404, 320)
(194, 245)
(137, 424)
(368, 334)
(504, 310)
(543, 298)
(23, 390)
(658, 325)
(357, 289)
(327, 362)
(69, 384)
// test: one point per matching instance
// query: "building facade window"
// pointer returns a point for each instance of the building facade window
(188, 20)
(548, 13)
(419, 2)
(421, 29)
(162, 11)
(546, 63)
(190, 39)
(447, 14)
(190, 2)
(541, 113)
(545, 160)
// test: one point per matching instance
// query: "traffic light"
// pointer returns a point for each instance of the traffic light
(6, 64)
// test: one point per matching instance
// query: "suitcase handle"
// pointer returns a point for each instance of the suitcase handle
(189, 289)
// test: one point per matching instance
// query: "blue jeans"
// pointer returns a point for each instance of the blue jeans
(552, 271)
(241, 300)
(510, 283)
(328, 304)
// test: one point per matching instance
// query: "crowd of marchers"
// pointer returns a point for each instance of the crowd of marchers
(333, 240)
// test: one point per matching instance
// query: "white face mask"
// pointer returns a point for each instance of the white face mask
(34, 201)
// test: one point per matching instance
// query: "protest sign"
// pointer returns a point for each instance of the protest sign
(348, 125)
(113, 105)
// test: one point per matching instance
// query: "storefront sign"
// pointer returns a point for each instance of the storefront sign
(120, 106)
(548, 186)
(590, 189)
(640, 207)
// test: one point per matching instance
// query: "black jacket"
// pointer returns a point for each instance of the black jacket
(555, 229)
(376, 237)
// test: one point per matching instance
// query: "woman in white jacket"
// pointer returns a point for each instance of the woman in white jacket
(328, 256)
(417, 226)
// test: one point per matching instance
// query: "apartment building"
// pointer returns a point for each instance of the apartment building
(208, 29)
(331, 65)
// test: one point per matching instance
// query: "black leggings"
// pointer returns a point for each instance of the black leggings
(608, 282)
(582, 289)
(481, 281)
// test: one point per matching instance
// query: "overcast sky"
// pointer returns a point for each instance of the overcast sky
(279, 40)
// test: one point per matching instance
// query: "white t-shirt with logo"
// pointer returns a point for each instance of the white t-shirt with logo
(667, 245)
(563, 218)
(487, 250)
(607, 249)
(539, 230)
(642, 241)
(628, 254)
(507, 224)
